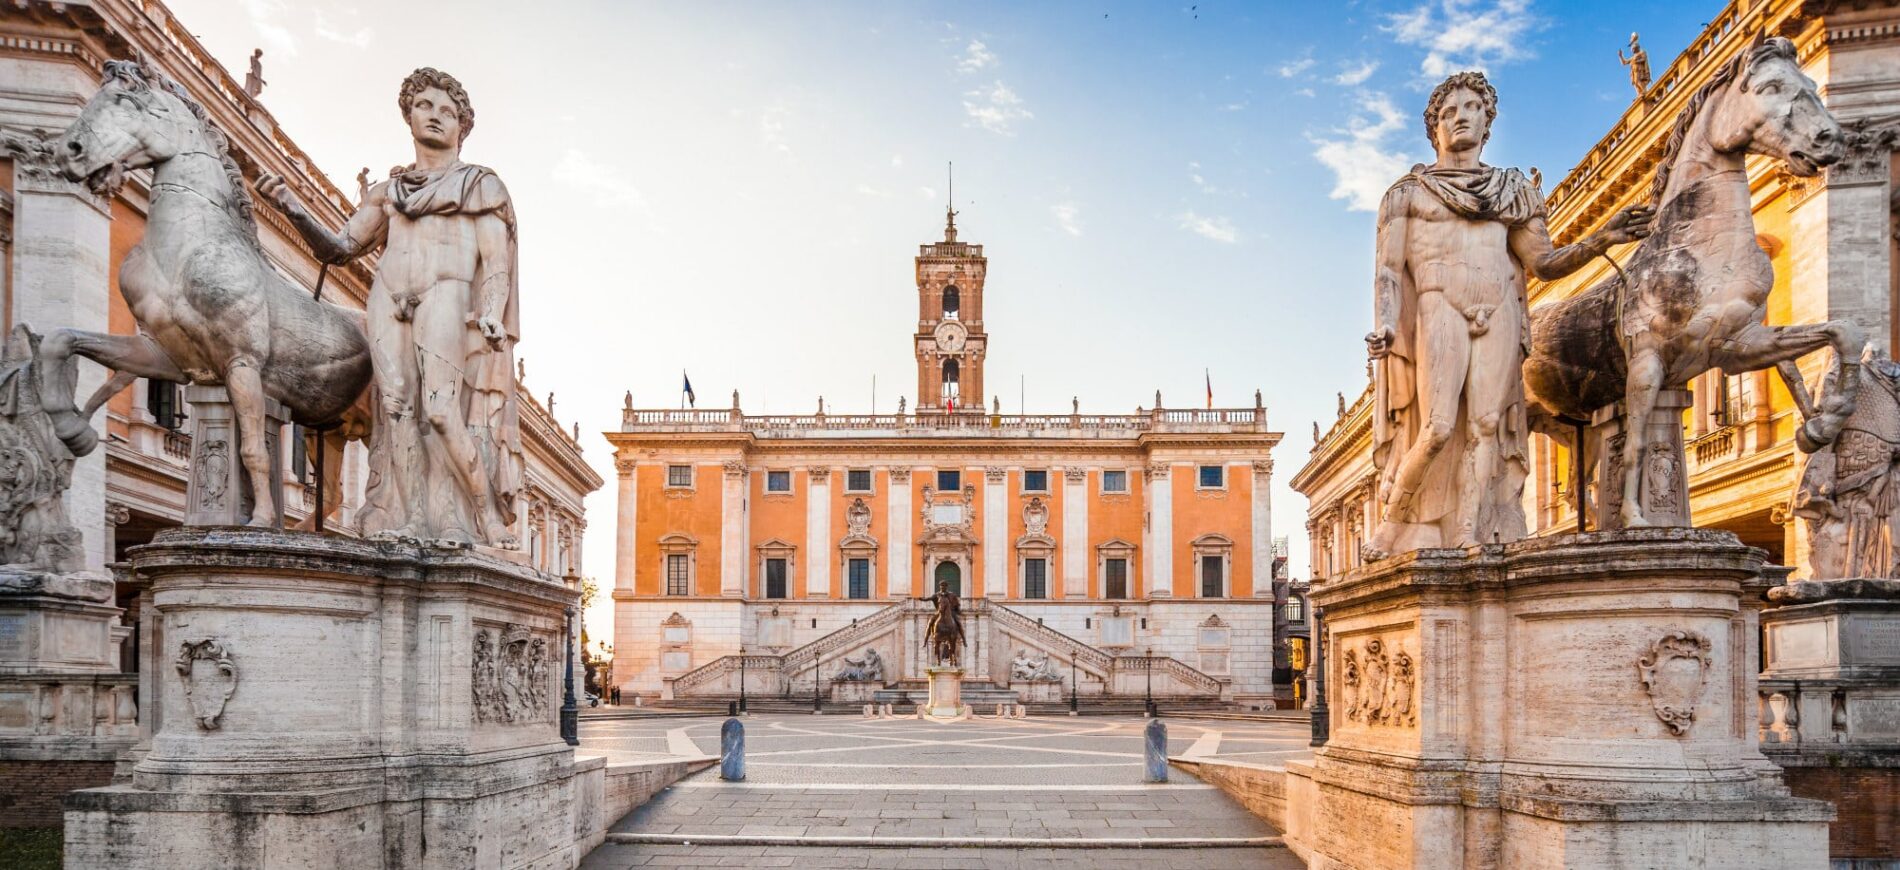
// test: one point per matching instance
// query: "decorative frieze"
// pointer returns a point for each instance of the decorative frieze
(509, 676)
(1376, 683)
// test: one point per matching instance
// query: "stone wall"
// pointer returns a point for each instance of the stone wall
(1867, 801)
(31, 791)
(1261, 789)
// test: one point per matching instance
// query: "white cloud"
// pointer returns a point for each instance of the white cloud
(869, 190)
(996, 108)
(1357, 75)
(772, 129)
(927, 192)
(1363, 159)
(1201, 184)
(897, 160)
(608, 183)
(1234, 107)
(1466, 34)
(267, 19)
(1217, 228)
(1294, 67)
(336, 32)
(977, 57)
(1065, 215)
(1306, 92)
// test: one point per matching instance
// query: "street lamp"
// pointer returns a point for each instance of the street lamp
(1148, 665)
(570, 714)
(742, 679)
(1072, 710)
(1322, 720)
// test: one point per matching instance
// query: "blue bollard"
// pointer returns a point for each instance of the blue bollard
(732, 751)
(1156, 750)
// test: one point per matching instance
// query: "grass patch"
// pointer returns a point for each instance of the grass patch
(31, 848)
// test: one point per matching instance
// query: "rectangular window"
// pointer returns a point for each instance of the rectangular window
(778, 481)
(1114, 481)
(1295, 610)
(1035, 578)
(679, 475)
(1211, 577)
(860, 574)
(161, 399)
(1115, 583)
(775, 578)
(1213, 476)
(949, 481)
(857, 480)
(678, 574)
(1036, 480)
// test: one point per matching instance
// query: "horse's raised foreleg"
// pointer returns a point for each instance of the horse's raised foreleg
(247, 401)
(128, 356)
(1760, 346)
(1639, 399)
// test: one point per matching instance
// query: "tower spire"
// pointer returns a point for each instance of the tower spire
(950, 206)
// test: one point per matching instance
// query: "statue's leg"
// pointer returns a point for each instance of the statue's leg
(1760, 346)
(1443, 358)
(1639, 399)
(395, 501)
(247, 401)
(441, 330)
(128, 356)
(1491, 385)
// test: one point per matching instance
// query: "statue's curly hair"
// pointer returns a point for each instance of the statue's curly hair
(1471, 80)
(430, 77)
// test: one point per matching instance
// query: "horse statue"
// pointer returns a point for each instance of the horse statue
(1693, 296)
(210, 308)
(944, 635)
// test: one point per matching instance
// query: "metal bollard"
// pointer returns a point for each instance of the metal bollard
(1155, 751)
(732, 751)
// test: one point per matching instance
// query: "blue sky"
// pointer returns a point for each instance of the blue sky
(737, 190)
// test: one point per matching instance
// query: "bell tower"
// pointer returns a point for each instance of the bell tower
(950, 339)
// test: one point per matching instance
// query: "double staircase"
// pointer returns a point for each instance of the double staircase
(802, 677)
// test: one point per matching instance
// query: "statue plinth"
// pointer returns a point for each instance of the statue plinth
(946, 694)
(1663, 486)
(354, 697)
(1579, 701)
(219, 491)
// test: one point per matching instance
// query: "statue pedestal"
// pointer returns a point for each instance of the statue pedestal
(1831, 705)
(63, 697)
(1583, 701)
(219, 490)
(854, 691)
(1037, 691)
(343, 703)
(1664, 485)
(946, 694)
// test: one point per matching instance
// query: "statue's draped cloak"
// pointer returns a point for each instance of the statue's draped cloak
(1487, 193)
(489, 401)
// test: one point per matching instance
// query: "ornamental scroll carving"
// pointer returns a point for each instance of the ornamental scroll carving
(1674, 672)
(1376, 683)
(210, 676)
(510, 676)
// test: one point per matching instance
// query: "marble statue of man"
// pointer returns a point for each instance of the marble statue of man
(1456, 240)
(443, 320)
(1848, 489)
(1638, 62)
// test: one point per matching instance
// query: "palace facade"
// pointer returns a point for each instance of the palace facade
(60, 251)
(1831, 239)
(1122, 544)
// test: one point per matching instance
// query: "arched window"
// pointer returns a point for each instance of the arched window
(952, 301)
(950, 386)
(951, 574)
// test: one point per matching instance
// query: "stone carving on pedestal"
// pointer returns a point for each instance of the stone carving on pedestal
(1028, 668)
(231, 319)
(210, 676)
(1846, 490)
(1674, 672)
(1625, 346)
(1456, 241)
(36, 468)
(509, 676)
(1376, 683)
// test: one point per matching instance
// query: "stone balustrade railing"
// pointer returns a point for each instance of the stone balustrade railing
(70, 705)
(807, 425)
(1190, 681)
(1099, 664)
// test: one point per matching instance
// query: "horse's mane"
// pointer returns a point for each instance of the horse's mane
(137, 77)
(1762, 50)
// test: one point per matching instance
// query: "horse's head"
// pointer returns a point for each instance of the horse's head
(1777, 112)
(134, 121)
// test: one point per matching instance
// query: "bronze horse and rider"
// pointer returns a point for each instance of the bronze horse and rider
(944, 637)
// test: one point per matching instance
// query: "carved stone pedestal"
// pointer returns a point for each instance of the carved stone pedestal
(946, 694)
(854, 691)
(219, 491)
(1830, 711)
(1037, 691)
(328, 702)
(1578, 702)
(1664, 484)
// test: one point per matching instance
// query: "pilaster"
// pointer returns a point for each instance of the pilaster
(1262, 517)
(996, 580)
(897, 582)
(1075, 533)
(1160, 531)
(732, 530)
(818, 555)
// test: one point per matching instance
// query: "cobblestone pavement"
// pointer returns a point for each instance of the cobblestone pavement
(836, 791)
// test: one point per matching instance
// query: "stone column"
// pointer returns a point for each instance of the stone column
(1263, 528)
(62, 248)
(818, 534)
(627, 520)
(1161, 531)
(996, 579)
(732, 530)
(1075, 532)
(897, 582)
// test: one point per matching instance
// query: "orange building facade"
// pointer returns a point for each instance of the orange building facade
(1120, 534)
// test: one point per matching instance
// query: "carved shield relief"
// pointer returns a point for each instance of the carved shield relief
(1674, 672)
(210, 676)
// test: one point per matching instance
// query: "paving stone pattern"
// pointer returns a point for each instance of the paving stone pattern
(832, 791)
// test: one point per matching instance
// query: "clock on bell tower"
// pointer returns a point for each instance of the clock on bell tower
(950, 340)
